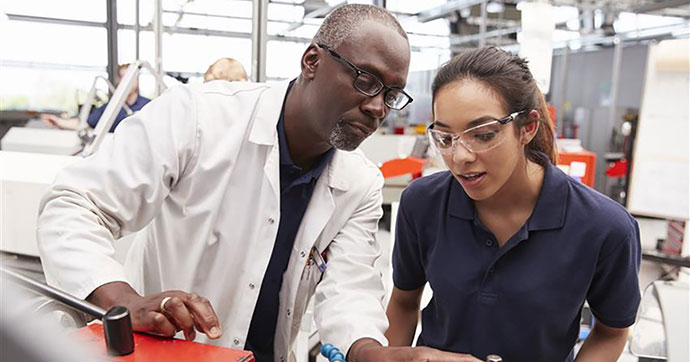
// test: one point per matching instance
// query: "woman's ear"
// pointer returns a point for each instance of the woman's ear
(531, 126)
(310, 61)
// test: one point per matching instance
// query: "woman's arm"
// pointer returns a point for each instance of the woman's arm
(603, 344)
(403, 315)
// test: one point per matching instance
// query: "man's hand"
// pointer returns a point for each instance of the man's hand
(369, 350)
(181, 311)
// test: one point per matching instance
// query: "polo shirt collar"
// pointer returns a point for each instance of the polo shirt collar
(549, 211)
(460, 205)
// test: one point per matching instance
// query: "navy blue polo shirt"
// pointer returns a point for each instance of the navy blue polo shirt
(296, 188)
(96, 114)
(521, 301)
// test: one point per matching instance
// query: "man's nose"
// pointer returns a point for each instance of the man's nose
(375, 107)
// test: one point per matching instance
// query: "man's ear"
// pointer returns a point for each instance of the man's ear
(310, 61)
(531, 126)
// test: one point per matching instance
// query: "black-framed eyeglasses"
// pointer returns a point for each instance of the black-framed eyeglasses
(370, 85)
(481, 138)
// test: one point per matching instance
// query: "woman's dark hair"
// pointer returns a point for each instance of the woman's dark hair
(509, 77)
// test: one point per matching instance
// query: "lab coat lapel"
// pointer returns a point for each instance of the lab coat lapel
(264, 131)
(317, 215)
(272, 169)
(321, 207)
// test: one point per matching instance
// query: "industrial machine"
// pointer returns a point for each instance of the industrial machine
(31, 157)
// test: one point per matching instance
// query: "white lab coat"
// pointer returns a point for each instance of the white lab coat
(198, 170)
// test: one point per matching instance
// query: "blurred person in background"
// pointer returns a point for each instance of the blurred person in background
(226, 69)
(134, 101)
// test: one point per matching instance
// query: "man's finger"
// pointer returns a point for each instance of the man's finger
(178, 313)
(159, 324)
(205, 317)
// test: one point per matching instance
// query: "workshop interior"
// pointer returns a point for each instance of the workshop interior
(84, 86)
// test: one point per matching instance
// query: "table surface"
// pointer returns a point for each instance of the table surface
(154, 349)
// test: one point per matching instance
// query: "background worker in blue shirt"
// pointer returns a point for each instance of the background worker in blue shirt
(511, 246)
(134, 101)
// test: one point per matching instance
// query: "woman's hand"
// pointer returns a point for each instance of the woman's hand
(369, 350)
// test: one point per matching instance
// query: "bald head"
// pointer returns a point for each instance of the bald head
(342, 23)
(226, 69)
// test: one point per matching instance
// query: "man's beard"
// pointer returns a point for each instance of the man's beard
(341, 139)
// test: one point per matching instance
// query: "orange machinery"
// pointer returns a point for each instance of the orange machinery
(157, 349)
(580, 165)
(403, 166)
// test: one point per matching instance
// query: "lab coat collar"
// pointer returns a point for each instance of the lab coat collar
(338, 173)
(264, 132)
(268, 108)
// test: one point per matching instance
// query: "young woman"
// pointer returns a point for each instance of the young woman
(511, 246)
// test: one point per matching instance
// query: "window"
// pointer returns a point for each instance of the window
(51, 66)
(86, 10)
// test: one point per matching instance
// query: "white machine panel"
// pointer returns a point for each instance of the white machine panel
(24, 178)
(41, 140)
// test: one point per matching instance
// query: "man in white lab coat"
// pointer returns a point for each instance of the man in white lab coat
(248, 201)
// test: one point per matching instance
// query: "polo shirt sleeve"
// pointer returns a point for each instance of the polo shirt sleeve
(408, 270)
(614, 294)
(95, 115)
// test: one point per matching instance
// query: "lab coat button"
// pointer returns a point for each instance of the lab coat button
(271, 221)
(251, 286)
(302, 254)
(289, 312)
(236, 341)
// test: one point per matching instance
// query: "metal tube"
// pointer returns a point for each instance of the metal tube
(158, 35)
(563, 77)
(111, 26)
(482, 25)
(136, 30)
(259, 38)
(58, 295)
(615, 78)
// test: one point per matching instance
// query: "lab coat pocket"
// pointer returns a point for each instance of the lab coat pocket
(314, 280)
(311, 276)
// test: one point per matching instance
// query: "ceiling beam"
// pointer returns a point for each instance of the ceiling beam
(445, 9)
(659, 5)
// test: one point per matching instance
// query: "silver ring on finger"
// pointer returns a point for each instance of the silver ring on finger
(162, 305)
